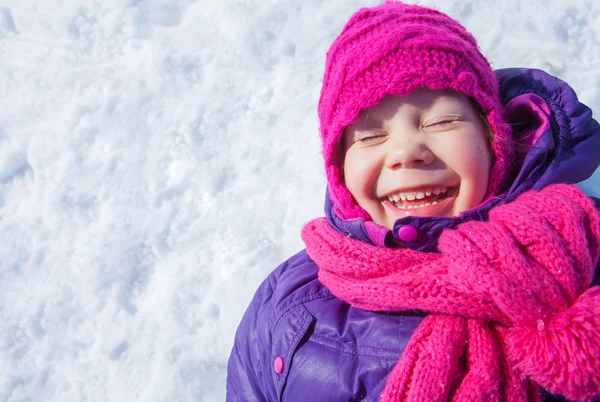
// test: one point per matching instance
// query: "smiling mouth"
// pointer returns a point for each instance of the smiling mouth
(419, 199)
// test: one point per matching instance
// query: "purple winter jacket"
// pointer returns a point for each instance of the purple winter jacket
(298, 342)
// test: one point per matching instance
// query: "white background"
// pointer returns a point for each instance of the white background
(158, 159)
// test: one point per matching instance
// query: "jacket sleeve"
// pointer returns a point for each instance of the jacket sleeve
(246, 380)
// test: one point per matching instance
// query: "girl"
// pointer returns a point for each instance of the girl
(451, 264)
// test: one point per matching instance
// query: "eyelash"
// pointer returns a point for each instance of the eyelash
(375, 137)
(443, 122)
(370, 138)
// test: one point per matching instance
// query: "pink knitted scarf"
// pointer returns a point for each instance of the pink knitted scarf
(509, 299)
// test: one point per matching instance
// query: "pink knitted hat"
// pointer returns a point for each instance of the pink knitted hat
(393, 49)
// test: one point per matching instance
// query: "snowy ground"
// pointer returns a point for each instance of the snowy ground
(159, 157)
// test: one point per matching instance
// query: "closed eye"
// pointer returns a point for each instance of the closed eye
(370, 137)
(442, 123)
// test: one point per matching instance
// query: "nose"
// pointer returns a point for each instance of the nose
(408, 153)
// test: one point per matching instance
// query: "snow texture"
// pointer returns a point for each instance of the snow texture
(158, 159)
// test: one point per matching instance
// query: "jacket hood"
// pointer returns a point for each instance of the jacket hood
(557, 141)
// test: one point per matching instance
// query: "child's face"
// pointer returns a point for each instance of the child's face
(423, 154)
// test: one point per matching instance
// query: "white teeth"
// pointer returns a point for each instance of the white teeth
(416, 206)
(416, 195)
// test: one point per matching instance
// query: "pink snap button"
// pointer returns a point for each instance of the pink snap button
(278, 365)
(408, 233)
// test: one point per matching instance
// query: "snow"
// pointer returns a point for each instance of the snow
(158, 159)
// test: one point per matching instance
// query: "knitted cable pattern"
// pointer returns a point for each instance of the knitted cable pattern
(509, 299)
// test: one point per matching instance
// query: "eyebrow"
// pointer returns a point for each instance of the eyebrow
(371, 122)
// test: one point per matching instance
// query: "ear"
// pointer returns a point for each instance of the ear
(529, 115)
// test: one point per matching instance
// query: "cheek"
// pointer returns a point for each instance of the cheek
(359, 174)
(476, 161)
(475, 170)
(482, 159)
(469, 157)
